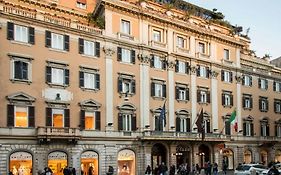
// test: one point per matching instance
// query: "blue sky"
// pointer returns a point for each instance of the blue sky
(263, 17)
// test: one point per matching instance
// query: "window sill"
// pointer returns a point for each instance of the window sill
(158, 69)
(202, 55)
(204, 78)
(263, 89)
(158, 44)
(89, 89)
(203, 103)
(227, 82)
(57, 85)
(57, 50)
(21, 81)
(227, 106)
(245, 108)
(182, 50)
(247, 86)
(182, 101)
(158, 98)
(181, 73)
(21, 43)
(126, 63)
(126, 36)
(227, 61)
(263, 110)
(123, 94)
(277, 112)
(89, 56)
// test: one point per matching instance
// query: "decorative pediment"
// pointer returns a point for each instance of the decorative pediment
(90, 104)
(127, 107)
(249, 118)
(20, 97)
(182, 112)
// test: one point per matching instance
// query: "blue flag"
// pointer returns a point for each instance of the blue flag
(163, 114)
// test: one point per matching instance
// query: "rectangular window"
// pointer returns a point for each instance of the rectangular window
(263, 84)
(263, 104)
(126, 55)
(158, 89)
(203, 71)
(21, 116)
(247, 80)
(126, 84)
(277, 106)
(58, 118)
(20, 70)
(125, 27)
(156, 35)
(157, 62)
(203, 96)
(278, 130)
(20, 33)
(182, 93)
(226, 54)
(247, 101)
(264, 127)
(127, 122)
(226, 76)
(89, 79)
(276, 86)
(56, 41)
(248, 128)
(182, 67)
(202, 48)
(81, 5)
(180, 42)
(227, 99)
(90, 120)
(89, 48)
(127, 119)
(57, 76)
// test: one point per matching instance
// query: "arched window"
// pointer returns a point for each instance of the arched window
(127, 118)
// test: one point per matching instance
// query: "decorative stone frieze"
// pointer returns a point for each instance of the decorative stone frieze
(214, 74)
(170, 65)
(193, 69)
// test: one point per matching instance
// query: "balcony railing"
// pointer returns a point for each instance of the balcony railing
(58, 133)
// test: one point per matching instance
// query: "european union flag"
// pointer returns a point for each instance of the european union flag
(163, 114)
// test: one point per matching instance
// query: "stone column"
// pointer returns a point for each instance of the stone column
(144, 91)
(214, 95)
(238, 102)
(193, 99)
(171, 96)
(109, 52)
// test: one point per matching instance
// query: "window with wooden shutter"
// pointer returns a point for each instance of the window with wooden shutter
(31, 39)
(10, 31)
(98, 120)
(82, 119)
(31, 116)
(10, 115)
(66, 118)
(66, 42)
(48, 38)
(81, 45)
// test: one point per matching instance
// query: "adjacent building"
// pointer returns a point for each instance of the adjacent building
(88, 84)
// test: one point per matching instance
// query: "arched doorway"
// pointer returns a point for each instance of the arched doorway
(89, 162)
(278, 156)
(228, 158)
(204, 154)
(247, 156)
(263, 157)
(57, 161)
(126, 162)
(158, 154)
(21, 163)
(182, 155)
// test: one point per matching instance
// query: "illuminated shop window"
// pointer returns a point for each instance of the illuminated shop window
(57, 161)
(126, 162)
(21, 163)
(21, 117)
(89, 163)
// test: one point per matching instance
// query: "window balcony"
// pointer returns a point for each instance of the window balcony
(58, 133)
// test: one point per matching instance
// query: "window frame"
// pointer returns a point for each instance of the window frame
(82, 80)
(28, 61)
(184, 96)
(57, 65)
(226, 54)
(160, 86)
(128, 24)
(126, 79)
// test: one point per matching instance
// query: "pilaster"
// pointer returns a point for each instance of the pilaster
(214, 94)
(171, 95)
(193, 95)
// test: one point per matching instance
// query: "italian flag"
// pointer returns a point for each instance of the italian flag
(232, 119)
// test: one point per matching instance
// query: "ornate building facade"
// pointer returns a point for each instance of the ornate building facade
(87, 83)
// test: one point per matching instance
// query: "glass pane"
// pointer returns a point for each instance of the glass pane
(21, 117)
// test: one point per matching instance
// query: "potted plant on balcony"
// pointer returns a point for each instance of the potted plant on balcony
(168, 8)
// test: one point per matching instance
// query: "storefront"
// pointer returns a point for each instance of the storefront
(89, 163)
(57, 161)
(278, 156)
(21, 163)
(126, 162)
(247, 156)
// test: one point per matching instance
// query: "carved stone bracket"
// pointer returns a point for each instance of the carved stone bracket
(214, 74)
(238, 79)
(170, 64)
(108, 51)
(193, 69)
(144, 59)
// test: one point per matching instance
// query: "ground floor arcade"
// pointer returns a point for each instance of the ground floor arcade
(127, 157)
